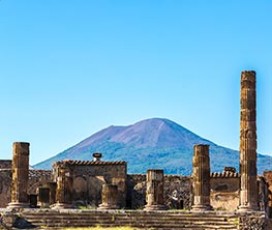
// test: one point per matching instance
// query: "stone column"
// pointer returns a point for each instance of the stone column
(248, 143)
(201, 178)
(154, 190)
(64, 189)
(109, 197)
(20, 172)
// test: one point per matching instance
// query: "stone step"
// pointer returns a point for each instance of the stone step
(127, 220)
(124, 218)
(156, 226)
(178, 216)
(142, 220)
(146, 224)
(117, 220)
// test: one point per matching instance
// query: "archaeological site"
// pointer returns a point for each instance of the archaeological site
(101, 193)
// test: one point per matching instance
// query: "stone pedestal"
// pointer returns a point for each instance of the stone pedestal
(201, 178)
(20, 171)
(43, 197)
(64, 189)
(109, 197)
(248, 143)
(154, 190)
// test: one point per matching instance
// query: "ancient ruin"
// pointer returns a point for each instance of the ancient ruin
(209, 200)
(154, 190)
(20, 167)
(201, 178)
(248, 143)
(109, 197)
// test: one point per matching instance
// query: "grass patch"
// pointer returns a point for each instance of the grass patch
(101, 228)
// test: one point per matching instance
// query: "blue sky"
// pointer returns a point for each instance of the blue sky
(70, 68)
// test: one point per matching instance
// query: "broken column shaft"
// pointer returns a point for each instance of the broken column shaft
(155, 190)
(64, 188)
(201, 178)
(109, 197)
(20, 172)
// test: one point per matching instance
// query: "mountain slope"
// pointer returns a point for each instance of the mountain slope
(151, 143)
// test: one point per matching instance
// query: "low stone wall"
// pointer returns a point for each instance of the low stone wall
(5, 164)
(37, 178)
(225, 190)
(254, 221)
(177, 191)
(5, 183)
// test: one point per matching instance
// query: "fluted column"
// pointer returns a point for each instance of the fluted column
(20, 171)
(201, 178)
(248, 142)
(155, 190)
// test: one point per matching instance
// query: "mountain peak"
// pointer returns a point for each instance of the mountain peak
(150, 143)
(156, 132)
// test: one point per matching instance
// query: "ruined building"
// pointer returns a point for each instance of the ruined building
(103, 185)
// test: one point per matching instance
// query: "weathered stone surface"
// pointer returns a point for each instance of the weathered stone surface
(5, 164)
(37, 178)
(138, 219)
(253, 221)
(225, 192)
(248, 143)
(52, 186)
(109, 197)
(155, 190)
(20, 172)
(88, 178)
(177, 191)
(201, 178)
(268, 179)
(64, 188)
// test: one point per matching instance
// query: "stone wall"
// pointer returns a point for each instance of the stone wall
(89, 176)
(5, 183)
(225, 188)
(5, 164)
(268, 180)
(177, 191)
(36, 178)
(88, 181)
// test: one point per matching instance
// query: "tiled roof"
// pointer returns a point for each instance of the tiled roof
(225, 174)
(39, 173)
(87, 163)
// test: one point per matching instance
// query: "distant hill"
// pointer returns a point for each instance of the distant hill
(152, 143)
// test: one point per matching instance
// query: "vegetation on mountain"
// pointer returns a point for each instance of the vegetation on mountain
(152, 143)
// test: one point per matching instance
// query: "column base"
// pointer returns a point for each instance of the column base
(201, 208)
(245, 208)
(17, 205)
(61, 206)
(155, 207)
(43, 205)
(107, 207)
